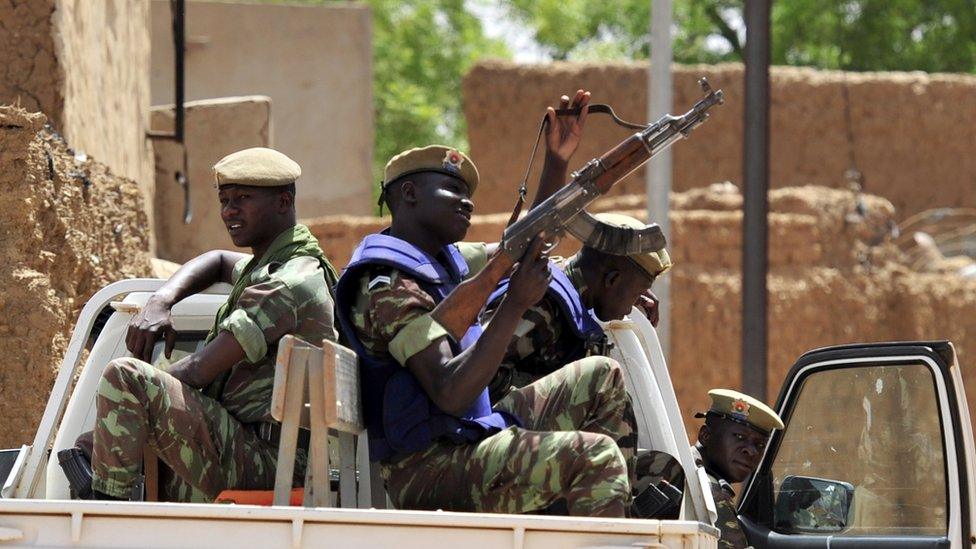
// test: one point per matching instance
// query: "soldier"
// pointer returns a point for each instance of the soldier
(563, 441)
(562, 327)
(207, 416)
(730, 445)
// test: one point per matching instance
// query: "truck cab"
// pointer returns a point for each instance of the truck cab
(877, 451)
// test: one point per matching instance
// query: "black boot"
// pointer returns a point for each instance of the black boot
(78, 469)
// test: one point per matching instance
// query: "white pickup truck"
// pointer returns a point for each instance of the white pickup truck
(877, 452)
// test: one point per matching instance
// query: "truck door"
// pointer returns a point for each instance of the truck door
(873, 454)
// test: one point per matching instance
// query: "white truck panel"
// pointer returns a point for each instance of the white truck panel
(164, 525)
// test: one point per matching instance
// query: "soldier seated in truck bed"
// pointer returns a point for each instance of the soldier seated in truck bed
(567, 439)
(207, 416)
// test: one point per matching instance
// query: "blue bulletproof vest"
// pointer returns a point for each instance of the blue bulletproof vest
(400, 417)
(580, 320)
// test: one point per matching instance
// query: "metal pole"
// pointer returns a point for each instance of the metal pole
(658, 184)
(755, 207)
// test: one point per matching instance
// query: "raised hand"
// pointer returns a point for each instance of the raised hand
(563, 132)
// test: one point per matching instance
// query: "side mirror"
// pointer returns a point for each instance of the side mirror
(813, 505)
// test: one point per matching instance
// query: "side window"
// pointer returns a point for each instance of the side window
(863, 442)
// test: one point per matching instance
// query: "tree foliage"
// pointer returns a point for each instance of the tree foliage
(421, 50)
(928, 35)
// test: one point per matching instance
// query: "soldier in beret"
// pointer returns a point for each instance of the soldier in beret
(586, 288)
(207, 416)
(440, 443)
(730, 445)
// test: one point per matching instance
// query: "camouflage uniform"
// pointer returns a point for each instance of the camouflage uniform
(209, 439)
(543, 342)
(727, 520)
(579, 428)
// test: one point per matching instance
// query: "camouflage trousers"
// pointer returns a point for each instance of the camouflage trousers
(206, 449)
(576, 449)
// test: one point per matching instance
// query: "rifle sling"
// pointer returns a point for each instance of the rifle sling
(598, 108)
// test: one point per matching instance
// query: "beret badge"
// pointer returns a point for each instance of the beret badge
(453, 161)
(740, 409)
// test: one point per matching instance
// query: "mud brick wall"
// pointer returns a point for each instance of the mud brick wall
(214, 128)
(912, 140)
(85, 65)
(69, 226)
(829, 282)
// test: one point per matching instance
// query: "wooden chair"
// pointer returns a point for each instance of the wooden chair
(319, 389)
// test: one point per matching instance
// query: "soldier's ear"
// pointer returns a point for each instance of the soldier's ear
(408, 192)
(286, 199)
(704, 433)
(611, 278)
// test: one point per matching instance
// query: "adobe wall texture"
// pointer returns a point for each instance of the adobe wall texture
(85, 65)
(214, 128)
(314, 62)
(69, 227)
(910, 138)
(28, 65)
(103, 55)
(834, 278)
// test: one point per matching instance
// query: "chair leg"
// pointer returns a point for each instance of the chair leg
(150, 470)
(318, 465)
(364, 489)
(377, 489)
(287, 446)
(347, 470)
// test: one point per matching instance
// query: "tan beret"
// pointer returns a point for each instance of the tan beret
(742, 408)
(256, 167)
(433, 158)
(653, 263)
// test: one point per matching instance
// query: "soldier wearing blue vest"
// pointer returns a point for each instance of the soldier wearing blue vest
(563, 441)
(563, 326)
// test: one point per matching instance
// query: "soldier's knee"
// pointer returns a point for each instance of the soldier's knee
(604, 370)
(122, 374)
(601, 449)
(604, 461)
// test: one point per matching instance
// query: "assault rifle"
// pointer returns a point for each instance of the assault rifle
(555, 215)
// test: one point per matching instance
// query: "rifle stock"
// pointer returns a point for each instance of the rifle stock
(459, 310)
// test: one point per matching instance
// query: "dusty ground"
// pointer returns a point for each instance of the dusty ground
(69, 227)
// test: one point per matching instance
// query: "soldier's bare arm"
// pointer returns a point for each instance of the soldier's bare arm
(453, 382)
(154, 321)
(200, 368)
(563, 135)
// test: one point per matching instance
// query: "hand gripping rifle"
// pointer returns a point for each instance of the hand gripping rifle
(563, 211)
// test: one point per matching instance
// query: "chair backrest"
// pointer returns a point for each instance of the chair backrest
(318, 388)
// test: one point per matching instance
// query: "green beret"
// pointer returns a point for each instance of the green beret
(432, 158)
(653, 263)
(256, 167)
(742, 408)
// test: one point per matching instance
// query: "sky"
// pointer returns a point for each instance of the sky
(497, 24)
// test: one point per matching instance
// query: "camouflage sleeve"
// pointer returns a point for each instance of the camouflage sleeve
(475, 255)
(538, 330)
(239, 268)
(727, 520)
(270, 308)
(392, 315)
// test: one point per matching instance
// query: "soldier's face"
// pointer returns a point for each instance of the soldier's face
(444, 206)
(250, 214)
(732, 448)
(621, 289)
